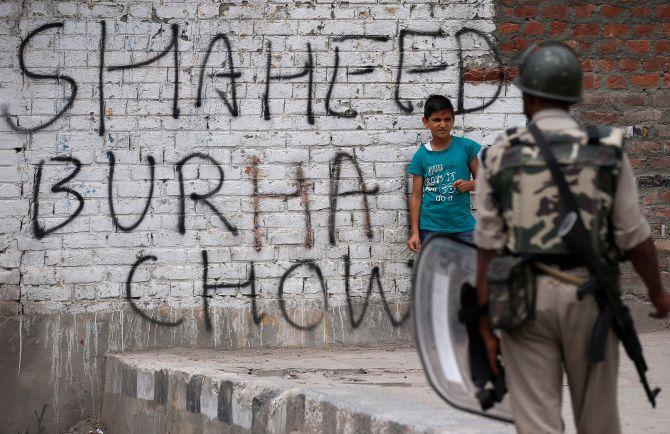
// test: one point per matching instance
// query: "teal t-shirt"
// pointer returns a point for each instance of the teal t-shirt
(443, 208)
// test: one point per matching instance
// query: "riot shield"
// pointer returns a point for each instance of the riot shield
(444, 268)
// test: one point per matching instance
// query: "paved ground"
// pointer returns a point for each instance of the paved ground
(390, 376)
(637, 416)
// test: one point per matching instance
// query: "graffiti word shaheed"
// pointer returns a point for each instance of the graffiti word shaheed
(233, 75)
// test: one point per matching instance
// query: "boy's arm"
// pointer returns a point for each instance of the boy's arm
(474, 166)
(462, 185)
(414, 242)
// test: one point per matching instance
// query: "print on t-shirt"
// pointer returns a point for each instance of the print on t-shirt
(442, 184)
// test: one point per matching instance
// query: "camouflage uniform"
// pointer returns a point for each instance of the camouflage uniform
(518, 209)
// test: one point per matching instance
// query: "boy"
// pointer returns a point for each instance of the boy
(441, 186)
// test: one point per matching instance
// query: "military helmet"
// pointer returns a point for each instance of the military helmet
(550, 70)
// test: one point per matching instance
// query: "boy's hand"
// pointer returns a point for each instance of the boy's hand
(414, 243)
(462, 185)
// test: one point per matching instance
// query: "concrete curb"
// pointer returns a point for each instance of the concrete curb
(145, 397)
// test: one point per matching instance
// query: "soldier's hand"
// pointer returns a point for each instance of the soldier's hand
(414, 243)
(661, 301)
(490, 343)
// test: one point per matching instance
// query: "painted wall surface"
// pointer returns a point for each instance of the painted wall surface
(215, 174)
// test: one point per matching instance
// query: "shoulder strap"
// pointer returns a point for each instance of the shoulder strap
(482, 155)
(593, 133)
(513, 136)
(572, 217)
(564, 191)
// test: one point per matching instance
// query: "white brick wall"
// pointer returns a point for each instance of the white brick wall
(89, 260)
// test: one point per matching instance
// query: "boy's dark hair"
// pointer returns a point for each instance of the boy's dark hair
(436, 103)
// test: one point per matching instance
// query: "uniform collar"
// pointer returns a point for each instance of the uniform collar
(550, 113)
(554, 120)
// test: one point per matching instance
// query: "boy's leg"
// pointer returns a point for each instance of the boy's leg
(424, 235)
(468, 236)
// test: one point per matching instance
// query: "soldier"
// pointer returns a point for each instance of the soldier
(519, 210)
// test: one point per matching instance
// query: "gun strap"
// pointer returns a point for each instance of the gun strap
(566, 195)
(593, 134)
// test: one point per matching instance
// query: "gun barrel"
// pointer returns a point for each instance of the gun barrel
(625, 330)
(651, 394)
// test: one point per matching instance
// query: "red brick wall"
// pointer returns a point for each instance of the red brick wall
(625, 51)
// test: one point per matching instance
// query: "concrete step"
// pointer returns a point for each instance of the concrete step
(336, 390)
(343, 390)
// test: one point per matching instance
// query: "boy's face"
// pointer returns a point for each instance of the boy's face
(440, 124)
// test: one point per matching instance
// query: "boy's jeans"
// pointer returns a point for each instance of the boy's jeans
(463, 236)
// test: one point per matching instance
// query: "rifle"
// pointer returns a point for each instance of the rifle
(602, 283)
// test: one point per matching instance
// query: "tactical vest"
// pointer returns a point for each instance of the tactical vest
(528, 198)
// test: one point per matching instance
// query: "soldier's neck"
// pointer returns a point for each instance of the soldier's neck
(532, 105)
